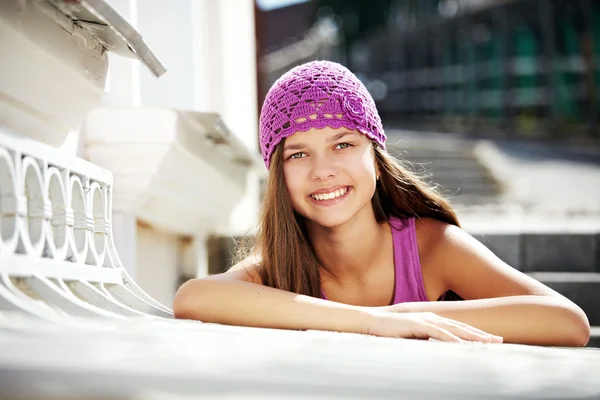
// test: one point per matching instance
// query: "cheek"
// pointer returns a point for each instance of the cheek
(363, 172)
(293, 183)
(367, 165)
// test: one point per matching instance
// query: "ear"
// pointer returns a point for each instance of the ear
(376, 163)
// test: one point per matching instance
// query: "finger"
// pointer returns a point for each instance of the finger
(493, 338)
(487, 336)
(467, 332)
(437, 332)
(478, 333)
(475, 329)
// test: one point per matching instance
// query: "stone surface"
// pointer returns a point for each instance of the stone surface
(530, 174)
(455, 172)
(149, 357)
(595, 338)
(559, 252)
(506, 246)
(597, 269)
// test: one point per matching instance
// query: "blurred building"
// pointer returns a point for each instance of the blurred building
(522, 68)
(518, 68)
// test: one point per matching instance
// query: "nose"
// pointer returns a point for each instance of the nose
(323, 167)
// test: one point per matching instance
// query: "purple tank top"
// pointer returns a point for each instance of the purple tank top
(409, 285)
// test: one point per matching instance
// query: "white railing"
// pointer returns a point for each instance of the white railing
(57, 255)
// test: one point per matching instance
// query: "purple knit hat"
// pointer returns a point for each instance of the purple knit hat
(315, 95)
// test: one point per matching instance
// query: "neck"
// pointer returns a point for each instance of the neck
(349, 251)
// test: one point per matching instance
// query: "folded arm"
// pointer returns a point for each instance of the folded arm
(498, 298)
(238, 298)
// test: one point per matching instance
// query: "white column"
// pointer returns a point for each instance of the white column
(224, 55)
(167, 28)
(201, 253)
(124, 227)
(239, 88)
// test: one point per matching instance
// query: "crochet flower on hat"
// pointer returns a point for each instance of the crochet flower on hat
(354, 108)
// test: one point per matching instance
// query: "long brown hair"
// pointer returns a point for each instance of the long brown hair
(287, 260)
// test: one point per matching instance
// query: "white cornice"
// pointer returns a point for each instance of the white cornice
(52, 71)
(54, 63)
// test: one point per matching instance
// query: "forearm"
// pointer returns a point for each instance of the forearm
(248, 304)
(537, 320)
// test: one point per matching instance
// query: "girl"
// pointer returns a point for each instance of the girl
(350, 241)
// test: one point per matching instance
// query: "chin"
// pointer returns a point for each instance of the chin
(330, 221)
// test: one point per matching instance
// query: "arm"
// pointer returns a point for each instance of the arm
(237, 297)
(498, 298)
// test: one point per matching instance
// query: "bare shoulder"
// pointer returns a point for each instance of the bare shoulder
(247, 270)
(433, 233)
(438, 239)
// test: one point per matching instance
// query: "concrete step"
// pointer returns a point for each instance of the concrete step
(581, 288)
(461, 177)
(594, 337)
(469, 201)
(432, 153)
(466, 187)
(433, 164)
(454, 179)
(456, 170)
(467, 174)
(545, 251)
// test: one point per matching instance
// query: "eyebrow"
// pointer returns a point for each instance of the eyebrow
(341, 135)
(300, 146)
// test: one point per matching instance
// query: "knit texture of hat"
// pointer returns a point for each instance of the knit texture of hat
(317, 94)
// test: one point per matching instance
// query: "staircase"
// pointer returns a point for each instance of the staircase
(449, 165)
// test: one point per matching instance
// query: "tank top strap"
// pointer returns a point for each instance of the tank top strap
(409, 285)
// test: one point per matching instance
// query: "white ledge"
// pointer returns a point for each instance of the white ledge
(181, 171)
(54, 63)
(112, 30)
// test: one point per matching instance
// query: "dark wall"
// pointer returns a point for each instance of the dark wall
(281, 24)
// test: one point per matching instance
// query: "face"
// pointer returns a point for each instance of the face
(330, 174)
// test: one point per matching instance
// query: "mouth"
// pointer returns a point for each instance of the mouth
(332, 197)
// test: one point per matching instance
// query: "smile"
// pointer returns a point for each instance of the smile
(330, 196)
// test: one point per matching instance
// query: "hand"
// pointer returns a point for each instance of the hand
(425, 325)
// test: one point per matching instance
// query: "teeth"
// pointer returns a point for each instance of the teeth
(329, 196)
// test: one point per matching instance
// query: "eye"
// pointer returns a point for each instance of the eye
(296, 155)
(343, 145)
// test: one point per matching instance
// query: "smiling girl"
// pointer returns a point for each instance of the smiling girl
(351, 241)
